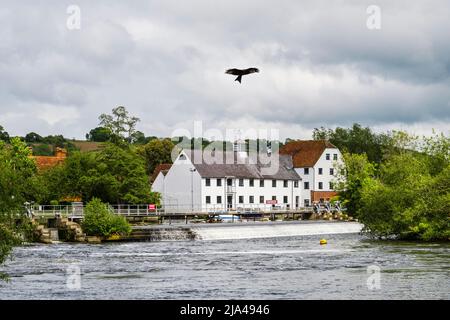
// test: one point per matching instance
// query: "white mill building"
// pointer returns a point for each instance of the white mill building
(232, 181)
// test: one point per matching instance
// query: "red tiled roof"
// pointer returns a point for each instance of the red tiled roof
(164, 167)
(45, 162)
(305, 153)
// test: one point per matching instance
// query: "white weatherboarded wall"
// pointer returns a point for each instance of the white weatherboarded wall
(178, 183)
(158, 184)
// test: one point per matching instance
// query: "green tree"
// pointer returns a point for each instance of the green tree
(351, 175)
(409, 198)
(4, 136)
(120, 123)
(17, 184)
(99, 134)
(355, 140)
(33, 137)
(114, 174)
(156, 152)
(139, 138)
(100, 221)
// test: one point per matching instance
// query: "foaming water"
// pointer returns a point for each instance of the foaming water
(292, 267)
(254, 231)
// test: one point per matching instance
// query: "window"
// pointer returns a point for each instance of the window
(261, 199)
(274, 197)
(274, 183)
(320, 170)
(252, 182)
(251, 199)
(331, 185)
(241, 182)
(229, 182)
(331, 171)
(285, 183)
(208, 199)
(327, 156)
(219, 199)
(219, 183)
(241, 199)
(261, 183)
(285, 199)
(306, 171)
(335, 156)
(306, 185)
(208, 182)
(306, 201)
(296, 184)
(320, 185)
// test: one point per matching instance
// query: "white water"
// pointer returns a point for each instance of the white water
(251, 231)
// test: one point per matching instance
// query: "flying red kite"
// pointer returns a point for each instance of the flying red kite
(241, 72)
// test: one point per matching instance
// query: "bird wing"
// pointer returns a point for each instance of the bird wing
(236, 72)
(251, 70)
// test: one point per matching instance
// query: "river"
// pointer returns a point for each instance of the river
(279, 267)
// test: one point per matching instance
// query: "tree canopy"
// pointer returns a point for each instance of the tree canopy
(114, 175)
(408, 195)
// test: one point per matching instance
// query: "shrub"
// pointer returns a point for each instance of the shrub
(100, 221)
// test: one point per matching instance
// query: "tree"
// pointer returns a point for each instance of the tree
(409, 196)
(156, 152)
(120, 123)
(17, 184)
(100, 221)
(355, 140)
(99, 134)
(4, 136)
(33, 138)
(113, 174)
(351, 175)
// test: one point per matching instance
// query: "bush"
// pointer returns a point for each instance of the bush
(100, 221)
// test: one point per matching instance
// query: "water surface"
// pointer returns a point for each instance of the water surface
(264, 268)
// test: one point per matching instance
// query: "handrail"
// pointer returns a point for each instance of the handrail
(144, 210)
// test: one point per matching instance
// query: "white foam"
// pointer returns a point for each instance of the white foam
(243, 231)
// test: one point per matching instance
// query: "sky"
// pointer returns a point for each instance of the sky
(322, 63)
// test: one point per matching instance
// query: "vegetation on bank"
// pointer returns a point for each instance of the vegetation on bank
(17, 183)
(407, 194)
(100, 221)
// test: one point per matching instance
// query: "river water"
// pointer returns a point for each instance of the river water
(292, 267)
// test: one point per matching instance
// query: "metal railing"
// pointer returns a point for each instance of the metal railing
(77, 211)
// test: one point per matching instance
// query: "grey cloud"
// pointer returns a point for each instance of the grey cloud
(165, 61)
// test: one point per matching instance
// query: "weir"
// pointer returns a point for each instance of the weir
(270, 230)
(241, 231)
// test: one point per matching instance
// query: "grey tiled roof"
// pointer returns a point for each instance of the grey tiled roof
(241, 167)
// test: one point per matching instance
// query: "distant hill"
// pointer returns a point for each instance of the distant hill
(86, 146)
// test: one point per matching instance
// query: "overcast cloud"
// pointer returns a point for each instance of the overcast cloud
(165, 61)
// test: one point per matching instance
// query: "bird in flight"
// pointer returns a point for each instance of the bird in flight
(241, 72)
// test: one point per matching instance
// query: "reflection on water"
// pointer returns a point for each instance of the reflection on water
(271, 268)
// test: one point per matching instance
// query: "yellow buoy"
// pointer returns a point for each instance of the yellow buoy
(323, 241)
